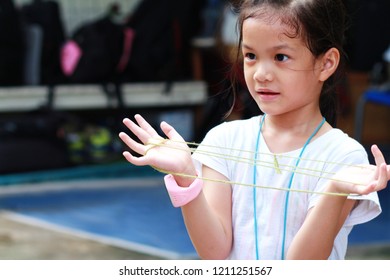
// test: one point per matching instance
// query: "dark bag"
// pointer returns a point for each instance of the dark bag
(97, 52)
(150, 46)
(163, 30)
(47, 15)
(11, 45)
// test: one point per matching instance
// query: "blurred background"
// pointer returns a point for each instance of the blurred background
(71, 70)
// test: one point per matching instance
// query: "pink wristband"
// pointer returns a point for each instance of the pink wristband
(180, 195)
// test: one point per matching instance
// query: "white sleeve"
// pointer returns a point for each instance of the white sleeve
(368, 206)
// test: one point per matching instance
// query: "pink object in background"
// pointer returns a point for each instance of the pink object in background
(127, 44)
(70, 56)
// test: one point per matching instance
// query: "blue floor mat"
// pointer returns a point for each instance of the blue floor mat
(113, 170)
(138, 218)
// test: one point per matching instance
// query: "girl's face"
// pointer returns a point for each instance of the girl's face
(281, 73)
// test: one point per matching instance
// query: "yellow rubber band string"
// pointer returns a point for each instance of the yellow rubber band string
(261, 153)
(152, 143)
(281, 167)
(253, 186)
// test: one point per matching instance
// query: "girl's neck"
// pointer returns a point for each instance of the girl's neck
(285, 134)
(295, 124)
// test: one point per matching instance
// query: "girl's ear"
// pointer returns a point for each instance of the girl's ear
(329, 63)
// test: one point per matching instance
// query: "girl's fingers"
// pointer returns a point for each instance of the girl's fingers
(382, 177)
(139, 161)
(152, 133)
(133, 145)
(170, 132)
(379, 158)
(128, 157)
(141, 134)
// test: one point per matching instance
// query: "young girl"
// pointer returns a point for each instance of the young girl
(301, 166)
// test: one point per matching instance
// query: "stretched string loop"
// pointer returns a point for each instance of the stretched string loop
(274, 164)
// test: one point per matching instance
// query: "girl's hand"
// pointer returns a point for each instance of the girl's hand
(364, 179)
(170, 155)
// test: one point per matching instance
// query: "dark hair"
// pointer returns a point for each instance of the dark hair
(321, 23)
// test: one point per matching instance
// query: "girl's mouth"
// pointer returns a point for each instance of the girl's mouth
(267, 95)
(267, 92)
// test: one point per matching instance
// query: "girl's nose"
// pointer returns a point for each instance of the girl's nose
(263, 73)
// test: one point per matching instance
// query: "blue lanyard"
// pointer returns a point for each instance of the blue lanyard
(289, 187)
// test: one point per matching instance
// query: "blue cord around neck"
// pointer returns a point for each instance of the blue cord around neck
(289, 186)
(254, 189)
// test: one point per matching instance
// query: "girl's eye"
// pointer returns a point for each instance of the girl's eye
(250, 56)
(281, 57)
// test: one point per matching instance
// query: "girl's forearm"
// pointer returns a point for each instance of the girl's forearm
(316, 237)
(207, 231)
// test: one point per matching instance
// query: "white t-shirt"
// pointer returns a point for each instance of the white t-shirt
(236, 140)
